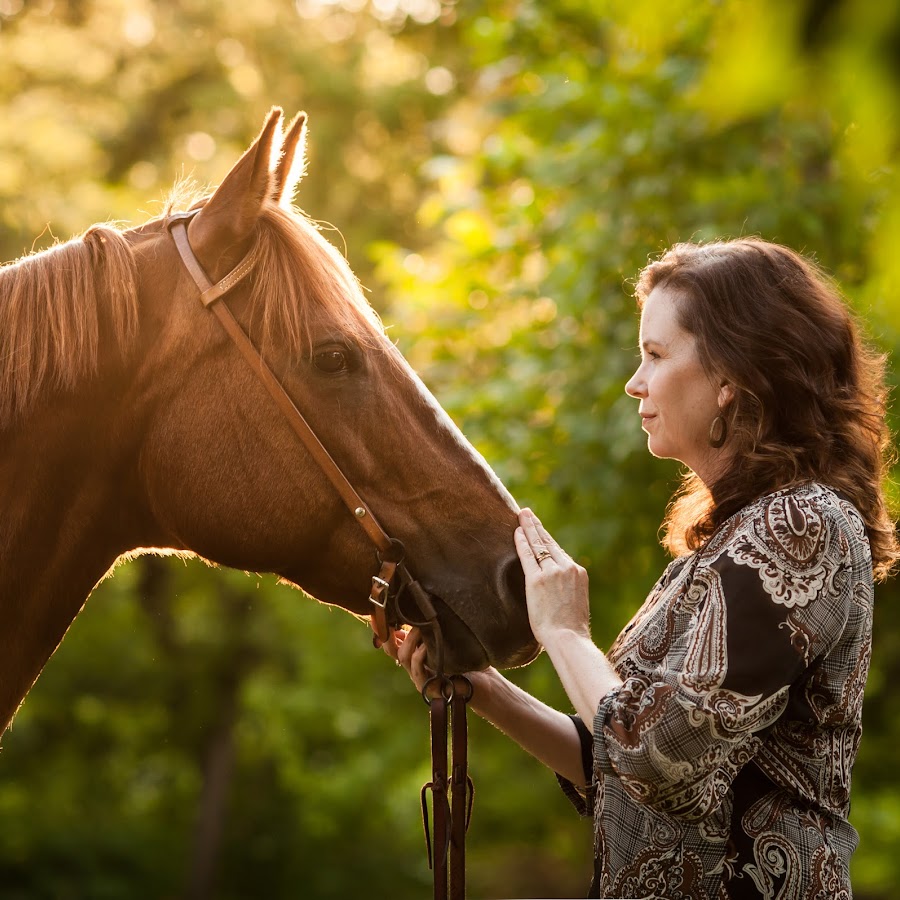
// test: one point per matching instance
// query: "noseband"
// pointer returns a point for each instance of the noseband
(393, 580)
(452, 793)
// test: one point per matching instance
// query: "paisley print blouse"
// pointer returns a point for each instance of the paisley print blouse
(721, 767)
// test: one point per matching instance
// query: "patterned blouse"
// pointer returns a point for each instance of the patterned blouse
(721, 767)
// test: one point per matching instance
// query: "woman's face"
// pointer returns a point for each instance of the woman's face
(678, 399)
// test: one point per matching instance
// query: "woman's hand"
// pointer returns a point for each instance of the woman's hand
(556, 587)
(409, 651)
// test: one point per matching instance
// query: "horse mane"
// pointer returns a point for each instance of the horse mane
(60, 306)
(56, 309)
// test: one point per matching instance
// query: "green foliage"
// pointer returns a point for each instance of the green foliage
(500, 169)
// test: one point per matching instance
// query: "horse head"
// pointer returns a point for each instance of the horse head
(222, 474)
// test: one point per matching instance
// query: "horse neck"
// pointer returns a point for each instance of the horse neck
(61, 488)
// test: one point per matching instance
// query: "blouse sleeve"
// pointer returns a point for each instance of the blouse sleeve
(716, 665)
(580, 796)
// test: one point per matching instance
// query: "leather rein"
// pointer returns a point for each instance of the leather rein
(446, 697)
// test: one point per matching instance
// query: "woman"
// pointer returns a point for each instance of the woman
(713, 742)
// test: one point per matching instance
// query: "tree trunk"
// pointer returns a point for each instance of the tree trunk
(217, 771)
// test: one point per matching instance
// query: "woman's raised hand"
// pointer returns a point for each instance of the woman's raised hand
(556, 587)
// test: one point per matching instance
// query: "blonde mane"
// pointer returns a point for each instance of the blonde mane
(299, 278)
(56, 309)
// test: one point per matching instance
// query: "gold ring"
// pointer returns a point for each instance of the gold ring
(540, 557)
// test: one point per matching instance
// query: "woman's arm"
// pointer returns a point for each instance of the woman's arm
(585, 672)
(547, 734)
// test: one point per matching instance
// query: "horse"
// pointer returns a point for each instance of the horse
(129, 423)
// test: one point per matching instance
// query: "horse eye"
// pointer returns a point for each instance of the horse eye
(331, 361)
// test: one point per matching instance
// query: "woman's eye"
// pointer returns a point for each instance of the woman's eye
(331, 361)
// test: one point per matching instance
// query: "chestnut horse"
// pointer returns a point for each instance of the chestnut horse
(129, 421)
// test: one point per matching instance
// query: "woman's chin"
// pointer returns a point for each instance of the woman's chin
(656, 447)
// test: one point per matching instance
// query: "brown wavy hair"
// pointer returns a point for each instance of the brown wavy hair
(809, 394)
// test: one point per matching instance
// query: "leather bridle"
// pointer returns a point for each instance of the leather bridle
(445, 696)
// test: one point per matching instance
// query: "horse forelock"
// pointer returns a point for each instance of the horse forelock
(56, 307)
(302, 284)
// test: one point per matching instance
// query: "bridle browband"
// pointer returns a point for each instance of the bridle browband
(452, 793)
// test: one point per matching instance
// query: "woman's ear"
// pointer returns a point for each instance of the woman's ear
(726, 395)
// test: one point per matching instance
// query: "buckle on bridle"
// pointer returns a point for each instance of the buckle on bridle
(380, 589)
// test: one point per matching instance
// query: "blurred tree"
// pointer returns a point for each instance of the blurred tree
(501, 169)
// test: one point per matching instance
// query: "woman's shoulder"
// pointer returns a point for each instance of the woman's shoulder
(800, 521)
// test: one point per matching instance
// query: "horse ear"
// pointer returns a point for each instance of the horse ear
(292, 165)
(229, 216)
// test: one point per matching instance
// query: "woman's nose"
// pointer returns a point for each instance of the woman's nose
(635, 386)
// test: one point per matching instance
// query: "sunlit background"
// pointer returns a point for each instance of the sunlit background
(496, 173)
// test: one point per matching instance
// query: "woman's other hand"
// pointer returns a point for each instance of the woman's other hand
(408, 649)
(556, 587)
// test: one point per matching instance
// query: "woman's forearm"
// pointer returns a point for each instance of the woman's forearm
(547, 734)
(585, 672)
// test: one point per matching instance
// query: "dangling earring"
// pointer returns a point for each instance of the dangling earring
(718, 432)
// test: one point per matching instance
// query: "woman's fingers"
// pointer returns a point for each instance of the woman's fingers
(556, 587)
(418, 670)
(526, 554)
(408, 648)
(413, 659)
(548, 540)
(542, 544)
(391, 645)
(406, 645)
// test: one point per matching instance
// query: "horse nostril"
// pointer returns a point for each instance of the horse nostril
(511, 587)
